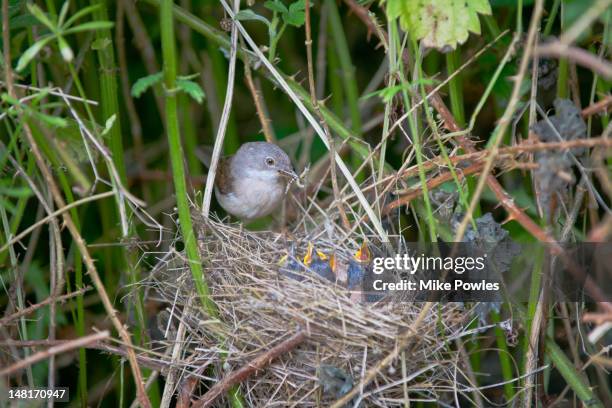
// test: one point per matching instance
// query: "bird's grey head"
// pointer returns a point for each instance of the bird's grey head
(264, 161)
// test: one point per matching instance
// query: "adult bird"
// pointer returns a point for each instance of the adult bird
(253, 182)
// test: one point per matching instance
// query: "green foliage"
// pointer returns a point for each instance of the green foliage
(388, 93)
(18, 16)
(35, 113)
(144, 83)
(441, 24)
(183, 83)
(8, 191)
(191, 88)
(59, 27)
(294, 15)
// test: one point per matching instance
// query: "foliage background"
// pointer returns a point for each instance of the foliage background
(158, 73)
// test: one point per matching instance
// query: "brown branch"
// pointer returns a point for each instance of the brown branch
(259, 107)
(431, 184)
(578, 55)
(364, 15)
(23, 312)
(51, 351)
(597, 318)
(251, 368)
(187, 387)
(516, 213)
(153, 364)
(597, 107)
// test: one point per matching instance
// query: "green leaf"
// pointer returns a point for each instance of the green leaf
(50, 120)
(441, 24)
(23, 21)
(9, 207)
(31, 52)
(41, 16)
(16, 192)
(63, 13)
(191, 76)
(386, 94)
(191, 88)
(248, 14)
(81, 13)
(296, 15)
(109, 124)
(276, 6)
(90, 26)
(144, 83)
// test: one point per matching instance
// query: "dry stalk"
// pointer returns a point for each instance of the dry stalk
(78, 240)
(53, 350)
(268, 131)
(402, 342)
(580, 56)
(315, 104)
(227, 108)
(597, 107)
(30, 309)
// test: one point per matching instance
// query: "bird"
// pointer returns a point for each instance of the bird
(253, 182)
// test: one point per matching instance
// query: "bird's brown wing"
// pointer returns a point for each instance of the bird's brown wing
(224, 178)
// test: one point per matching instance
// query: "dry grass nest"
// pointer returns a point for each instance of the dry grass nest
(258, 308)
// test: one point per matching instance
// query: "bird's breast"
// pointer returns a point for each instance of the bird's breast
(252, 198)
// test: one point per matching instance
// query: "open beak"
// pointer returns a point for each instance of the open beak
(291, 174)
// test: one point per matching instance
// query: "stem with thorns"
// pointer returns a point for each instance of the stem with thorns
(315, 104)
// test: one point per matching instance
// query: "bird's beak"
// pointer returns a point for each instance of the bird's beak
(291, 174)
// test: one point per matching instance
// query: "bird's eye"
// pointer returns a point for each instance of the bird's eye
(270, 161)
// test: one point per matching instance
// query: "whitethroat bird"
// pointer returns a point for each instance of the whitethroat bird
(253, 182)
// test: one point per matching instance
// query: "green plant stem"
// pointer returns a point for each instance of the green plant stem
(492, 26)
(455, 87)
(570, 374)
(415, 133)
(274, 42)
(108, 84)
(347, 74)
(177, 156)
(335, 84)
(504, 357)
(346, 65)
(551, 18)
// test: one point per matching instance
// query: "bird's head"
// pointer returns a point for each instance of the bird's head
(264, 161)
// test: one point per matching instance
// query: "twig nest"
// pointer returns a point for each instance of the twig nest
(259, 306)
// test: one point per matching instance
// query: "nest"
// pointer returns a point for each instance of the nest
(259, 307)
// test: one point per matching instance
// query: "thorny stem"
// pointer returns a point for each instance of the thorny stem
(268, 131)
(506, 118)
(315, 104)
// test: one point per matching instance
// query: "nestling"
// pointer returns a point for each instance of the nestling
(253, 182)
